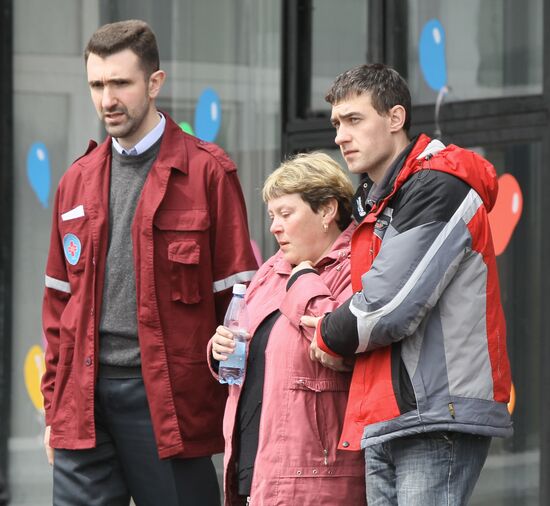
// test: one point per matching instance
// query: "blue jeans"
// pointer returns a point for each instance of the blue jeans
(429, 469)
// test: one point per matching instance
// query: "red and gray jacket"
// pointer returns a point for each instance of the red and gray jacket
(425, 322)
(190, 244)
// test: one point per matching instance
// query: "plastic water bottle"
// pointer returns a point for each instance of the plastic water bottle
(231, 371)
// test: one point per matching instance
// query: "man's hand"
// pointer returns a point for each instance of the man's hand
(223, 343)
(48, 448)
(317, 355)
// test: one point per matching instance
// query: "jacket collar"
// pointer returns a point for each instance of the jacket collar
(339, 251)
(167, 157)
(368, 195)
(381, 190)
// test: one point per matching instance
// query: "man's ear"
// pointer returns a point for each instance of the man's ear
(156, 80)
(397, 116)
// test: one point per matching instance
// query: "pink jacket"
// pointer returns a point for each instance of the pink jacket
(298, 462)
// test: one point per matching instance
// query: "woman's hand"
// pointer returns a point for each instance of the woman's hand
(223, 344)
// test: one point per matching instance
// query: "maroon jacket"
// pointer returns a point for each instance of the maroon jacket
(190, 243)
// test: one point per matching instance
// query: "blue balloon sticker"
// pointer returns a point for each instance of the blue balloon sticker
(39, 172)
(432, 54)
(208, 115)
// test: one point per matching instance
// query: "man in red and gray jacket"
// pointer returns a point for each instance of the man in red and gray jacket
(149, 233)
(431, 379)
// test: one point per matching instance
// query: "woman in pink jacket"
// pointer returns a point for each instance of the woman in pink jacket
(282, 426)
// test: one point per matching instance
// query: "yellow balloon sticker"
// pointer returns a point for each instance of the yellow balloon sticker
(34, 369)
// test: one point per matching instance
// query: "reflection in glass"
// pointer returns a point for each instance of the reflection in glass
(339, 42)
(511, 474)
(492, 48)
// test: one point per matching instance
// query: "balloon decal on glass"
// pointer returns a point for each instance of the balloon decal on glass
(433, 64)
(186, 127)
(506, 213)
(432, 55)
(33, 370)
(39, 172)
(208, 117)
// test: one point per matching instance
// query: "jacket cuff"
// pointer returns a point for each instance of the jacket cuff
(320, 343)
(213, 364)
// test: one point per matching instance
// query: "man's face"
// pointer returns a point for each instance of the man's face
(364, 136)
(121, 95)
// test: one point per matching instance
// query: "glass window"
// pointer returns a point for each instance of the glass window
(477, 48)
(51, 19)
(511, 473)
(53, 121)
(218, 56)
(339, 42)
(229, 53)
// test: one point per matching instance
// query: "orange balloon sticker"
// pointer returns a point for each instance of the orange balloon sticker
(34, 369)
(512, 402)
(504, 217)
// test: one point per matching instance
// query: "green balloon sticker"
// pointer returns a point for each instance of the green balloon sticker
(186, 127)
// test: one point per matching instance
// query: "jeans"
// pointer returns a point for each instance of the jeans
(428, 469)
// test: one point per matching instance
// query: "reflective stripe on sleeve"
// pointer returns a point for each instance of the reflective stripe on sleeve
(240, 277)
(57, 284)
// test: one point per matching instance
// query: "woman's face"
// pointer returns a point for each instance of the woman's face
(298, 230)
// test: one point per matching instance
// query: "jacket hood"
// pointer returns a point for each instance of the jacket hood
(472, 168)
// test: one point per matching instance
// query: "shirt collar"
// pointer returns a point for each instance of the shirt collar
(144, 144)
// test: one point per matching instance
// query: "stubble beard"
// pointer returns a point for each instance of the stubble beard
(129, 126)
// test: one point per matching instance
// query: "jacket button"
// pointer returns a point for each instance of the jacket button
(345, 444)
(88, 361)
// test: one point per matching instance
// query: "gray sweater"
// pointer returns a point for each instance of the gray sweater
(118, 343)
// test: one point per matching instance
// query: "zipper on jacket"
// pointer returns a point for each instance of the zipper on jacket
(325, 453)
(452, 409)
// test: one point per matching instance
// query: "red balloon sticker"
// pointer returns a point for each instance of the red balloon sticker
(504, 217)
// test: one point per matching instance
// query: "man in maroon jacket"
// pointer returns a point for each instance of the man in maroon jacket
(149, 233)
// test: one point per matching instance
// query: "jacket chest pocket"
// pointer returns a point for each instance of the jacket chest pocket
(183, 233)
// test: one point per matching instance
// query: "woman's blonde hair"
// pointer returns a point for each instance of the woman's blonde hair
(317, 178)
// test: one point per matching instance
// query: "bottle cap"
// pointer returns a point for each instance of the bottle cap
(239, 289)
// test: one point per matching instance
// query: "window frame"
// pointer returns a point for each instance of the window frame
(6, 220)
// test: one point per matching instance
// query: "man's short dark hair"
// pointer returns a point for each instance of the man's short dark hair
(386, 88)
(132, 34)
